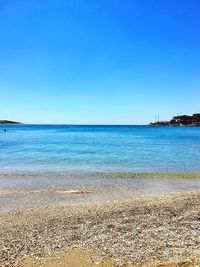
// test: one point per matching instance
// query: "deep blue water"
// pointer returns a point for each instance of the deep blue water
(27, 148)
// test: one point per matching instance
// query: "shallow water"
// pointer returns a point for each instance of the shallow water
(40, 163)
(40, 190)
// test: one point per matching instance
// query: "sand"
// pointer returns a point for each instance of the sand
(159, 229)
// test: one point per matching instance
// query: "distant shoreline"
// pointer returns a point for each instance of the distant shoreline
(157, 124)
(181, 120)
(7, 122)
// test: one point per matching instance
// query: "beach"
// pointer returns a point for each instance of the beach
(159, 229)
(125, 194)
(99, 133)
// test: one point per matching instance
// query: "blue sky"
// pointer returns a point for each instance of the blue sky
(99, 61)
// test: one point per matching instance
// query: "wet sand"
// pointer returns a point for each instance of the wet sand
(160, 229)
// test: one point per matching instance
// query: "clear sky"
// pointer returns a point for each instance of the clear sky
(99, 61)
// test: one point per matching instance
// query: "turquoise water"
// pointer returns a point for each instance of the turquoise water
(28, 148)
(39, 164)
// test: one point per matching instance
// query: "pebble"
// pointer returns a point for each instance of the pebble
(165, 229)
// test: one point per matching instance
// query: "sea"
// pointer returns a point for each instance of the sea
(109, 161)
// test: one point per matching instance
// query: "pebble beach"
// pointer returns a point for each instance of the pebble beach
(160, 229)
(130, 194)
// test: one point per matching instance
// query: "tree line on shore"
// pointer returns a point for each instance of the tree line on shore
(181, 120)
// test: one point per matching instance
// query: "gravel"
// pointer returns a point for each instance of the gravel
(159, 229)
